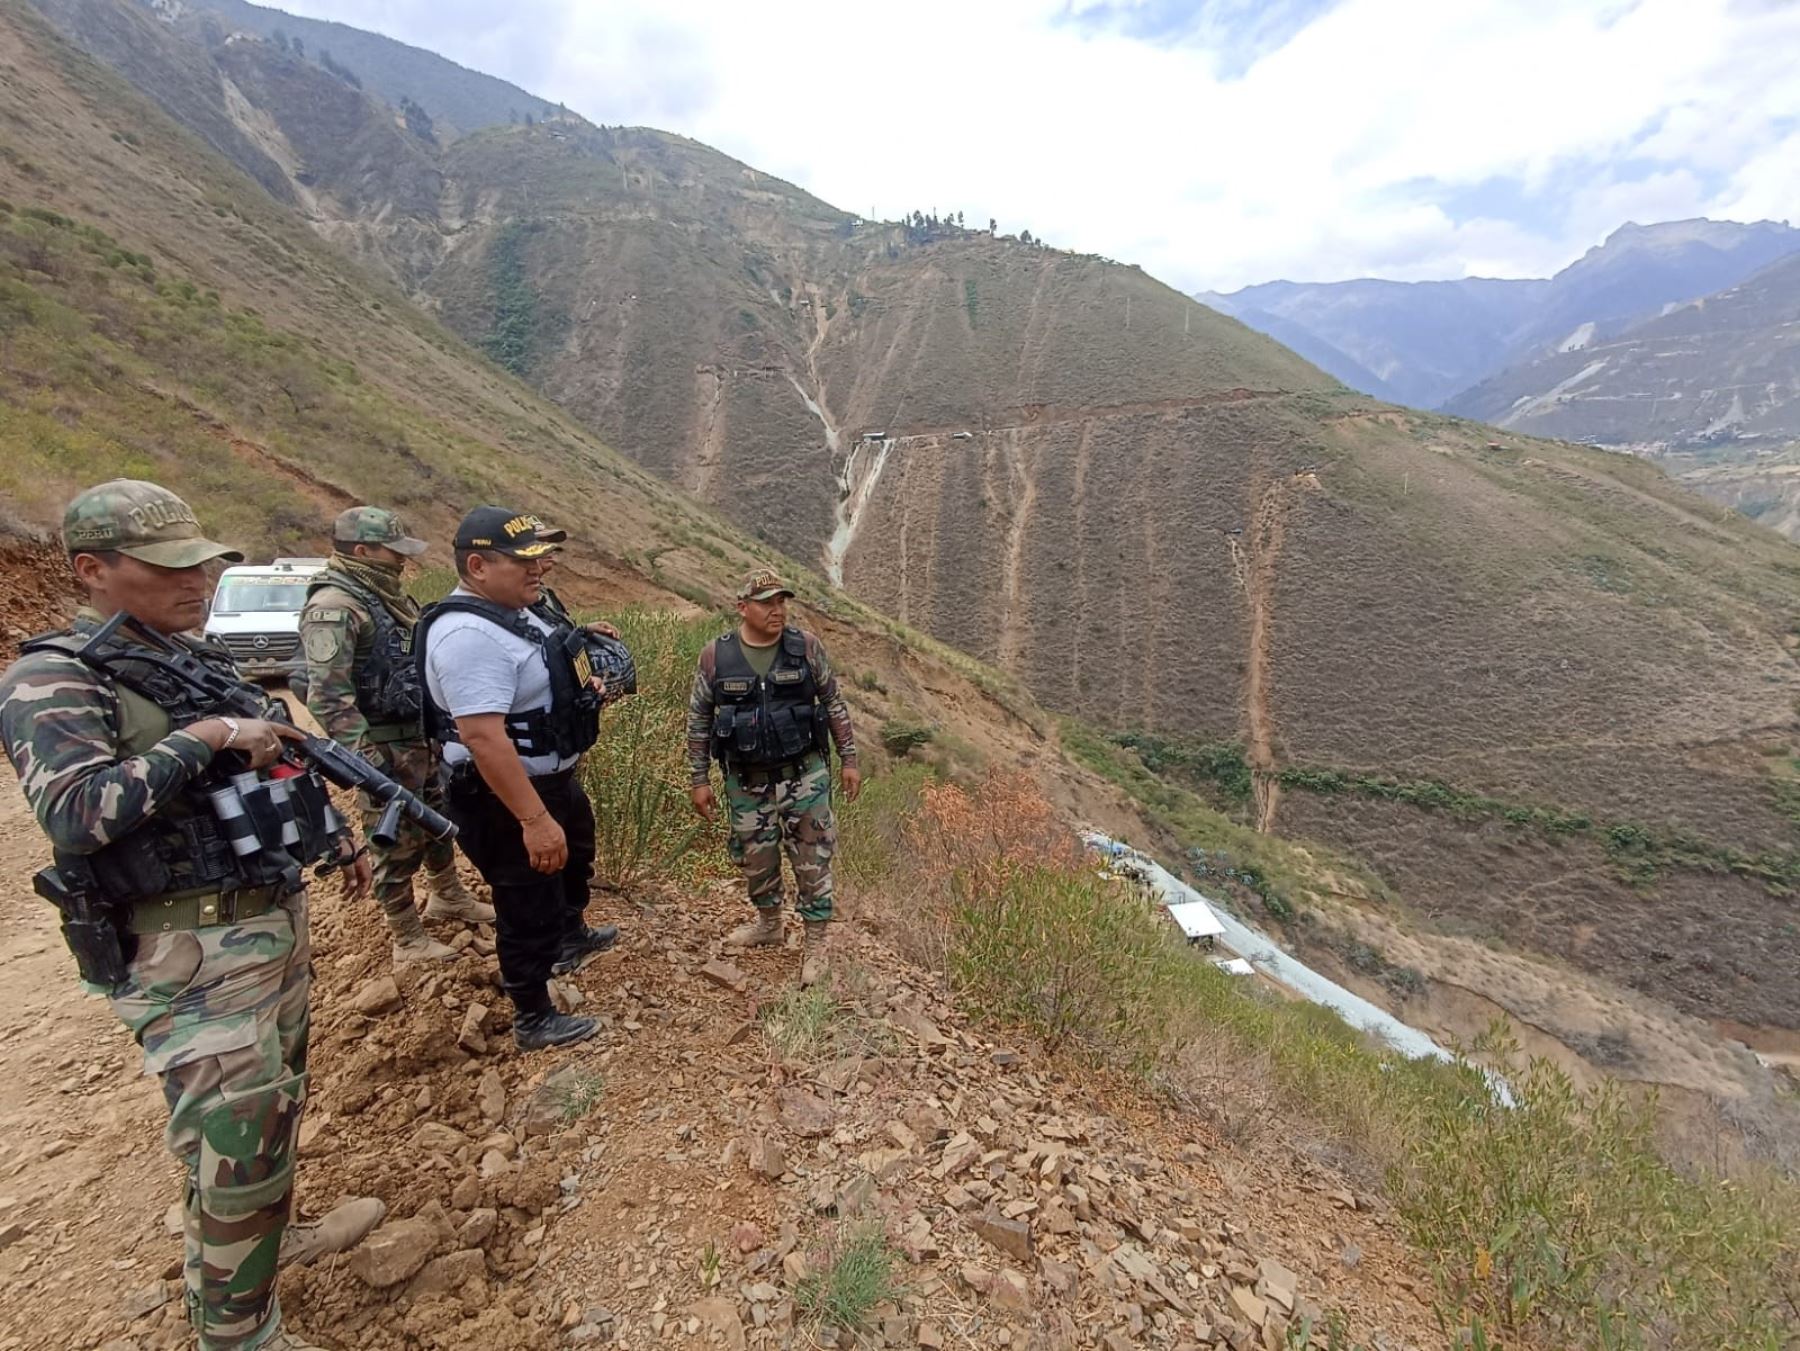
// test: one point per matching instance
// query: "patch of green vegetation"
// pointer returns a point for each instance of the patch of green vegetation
(522, 325)
(1639, 853)
(1220, 763)
(812, 1027)
(431, 584)
(969, 299)
(1435, 796)
(870, 829)
(853, 1270)
(1218, 846)
(900, 735)
(132, 372)
(578, 1091)
(1402, 981)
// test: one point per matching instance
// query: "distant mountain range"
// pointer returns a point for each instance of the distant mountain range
(1680, 342)
(1429, 343)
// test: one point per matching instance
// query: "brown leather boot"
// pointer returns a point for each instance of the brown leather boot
(412, 943)
(450, 899)
(762, 932)
(339, 1231)
(815, 962)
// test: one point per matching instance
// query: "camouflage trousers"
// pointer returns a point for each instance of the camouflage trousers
(412, 765)
(791, 813)
(221, 1014)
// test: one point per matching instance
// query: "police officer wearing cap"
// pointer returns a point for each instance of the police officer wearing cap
(512, 697)
(363, 686)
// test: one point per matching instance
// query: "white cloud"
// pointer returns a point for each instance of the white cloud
(1309, 166)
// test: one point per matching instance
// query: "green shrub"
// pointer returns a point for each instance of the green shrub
(1557, 1216)
(1065, 954)
(900, 735)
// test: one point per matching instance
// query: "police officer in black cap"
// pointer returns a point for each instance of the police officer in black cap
(513, 698)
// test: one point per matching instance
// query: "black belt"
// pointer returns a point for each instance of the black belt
(465, 778)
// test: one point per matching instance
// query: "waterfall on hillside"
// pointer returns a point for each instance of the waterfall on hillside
(862, 468)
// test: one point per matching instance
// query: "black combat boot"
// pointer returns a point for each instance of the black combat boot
(536, 1031)
(582, 944)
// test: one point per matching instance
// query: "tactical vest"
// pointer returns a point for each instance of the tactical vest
(387, 681)
(760, 721)
(572, 722)
(183, 847)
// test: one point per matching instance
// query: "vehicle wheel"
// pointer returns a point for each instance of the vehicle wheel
(297, 685)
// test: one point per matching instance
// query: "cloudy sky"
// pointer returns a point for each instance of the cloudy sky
(1216, 142)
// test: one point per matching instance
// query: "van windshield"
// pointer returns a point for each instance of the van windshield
(254, 597)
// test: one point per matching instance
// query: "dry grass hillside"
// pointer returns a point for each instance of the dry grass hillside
(1160, 522)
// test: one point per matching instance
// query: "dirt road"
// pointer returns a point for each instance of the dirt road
(83, 1178)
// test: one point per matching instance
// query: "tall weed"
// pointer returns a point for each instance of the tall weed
(872, 830)
(637, 774)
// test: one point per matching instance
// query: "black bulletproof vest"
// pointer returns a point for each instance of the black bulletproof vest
(182, 847)
(387, 684)
(759, 721)
(572, 722)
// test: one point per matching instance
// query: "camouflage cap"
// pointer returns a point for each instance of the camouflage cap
(764, 584)
(375, 525)
(140, 520)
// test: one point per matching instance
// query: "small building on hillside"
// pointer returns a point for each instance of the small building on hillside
(1197, 922)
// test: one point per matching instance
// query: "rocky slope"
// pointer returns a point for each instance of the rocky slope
(676, 1180)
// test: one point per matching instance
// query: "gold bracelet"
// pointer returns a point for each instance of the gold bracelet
(527, 820)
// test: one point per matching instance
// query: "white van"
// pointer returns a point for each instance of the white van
(256, 613)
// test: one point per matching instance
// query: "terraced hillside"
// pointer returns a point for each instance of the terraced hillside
(1160, 521)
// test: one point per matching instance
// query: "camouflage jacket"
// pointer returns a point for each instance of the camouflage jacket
(60, 722)
(336, 634)
(700, 707)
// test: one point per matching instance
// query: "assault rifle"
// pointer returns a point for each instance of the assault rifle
(213, 689)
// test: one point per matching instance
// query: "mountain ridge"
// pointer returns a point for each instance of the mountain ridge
(1497, 324)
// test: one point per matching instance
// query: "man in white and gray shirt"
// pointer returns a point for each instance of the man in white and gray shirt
(512, 696)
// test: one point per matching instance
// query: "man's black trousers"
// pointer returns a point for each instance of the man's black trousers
(533, 911)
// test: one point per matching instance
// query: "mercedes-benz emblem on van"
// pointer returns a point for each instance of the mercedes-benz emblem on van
(260, 642)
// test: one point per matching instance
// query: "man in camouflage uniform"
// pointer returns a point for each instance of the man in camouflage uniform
(211, 979)
(765, 703)
(362, 686)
